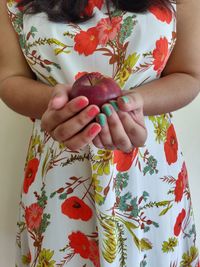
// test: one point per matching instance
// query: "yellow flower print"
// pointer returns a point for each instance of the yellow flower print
(103, 161)
(126, 69)
(99, 199)
(45, 258)
(10, 2)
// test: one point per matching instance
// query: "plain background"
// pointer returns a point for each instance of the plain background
(15, 131)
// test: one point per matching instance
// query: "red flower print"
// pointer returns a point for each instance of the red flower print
(94, 253)
(163, 14)
(179, 221)
(33, 216)
(86, 41)
(75, 208)
(181, 183)
(108, 29)
(80, 243)
(21, 8)
(160, 54)
(171, 145)
(124, 160)
(30, 173)
(80, 74)
(91, 5)
(184, 174)
(179, 189)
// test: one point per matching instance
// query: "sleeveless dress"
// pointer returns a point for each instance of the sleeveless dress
(96, 207)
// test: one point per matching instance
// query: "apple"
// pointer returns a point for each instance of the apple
(98, 88)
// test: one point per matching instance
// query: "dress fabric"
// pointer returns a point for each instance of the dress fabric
(96, 207)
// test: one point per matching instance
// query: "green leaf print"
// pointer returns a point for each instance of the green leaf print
(151, 166)
(46, 162)
(168, 246)
(63, 196)
(121, 182)
(145, 195)
(45, 222)
(189, 257)
(135, 210)
(127, 28)
(33, 31)
(22, 41)
(123, 206)
(145, 244)
(161, 124)
(114, 241)
(18, 22)
(143, 263)
(45, 258)
(163, 212)
(117, 13)
(127, 68)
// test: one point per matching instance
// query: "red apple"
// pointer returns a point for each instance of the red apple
(98, 88)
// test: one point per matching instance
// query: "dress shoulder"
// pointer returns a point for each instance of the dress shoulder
(16, 15)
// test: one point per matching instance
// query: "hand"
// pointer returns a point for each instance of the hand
(70, 122)
(122, 124)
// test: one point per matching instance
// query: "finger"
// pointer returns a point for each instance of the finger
(97, 142)
(136, 133)
(59, 96)
(119, 137)
(105, 135)
(83, 138)
(132, 101)
(52, 118)
(74, 125)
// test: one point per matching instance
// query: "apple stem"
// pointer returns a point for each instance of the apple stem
(89, 80)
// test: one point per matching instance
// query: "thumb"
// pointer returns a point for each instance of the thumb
(59, 96)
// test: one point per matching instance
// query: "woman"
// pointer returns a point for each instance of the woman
(103, 186)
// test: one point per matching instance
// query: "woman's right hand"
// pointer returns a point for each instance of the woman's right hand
(70, 122)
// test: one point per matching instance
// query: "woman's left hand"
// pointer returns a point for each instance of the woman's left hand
(122, 122)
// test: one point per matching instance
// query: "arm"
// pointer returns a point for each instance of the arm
(180, 81)
(18, 89)
(178, 86)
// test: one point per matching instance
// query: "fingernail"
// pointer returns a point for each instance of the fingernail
(114, 105)
(101, 119)
(125, 99)
(107, 110)
(81, 103)
(93, 130)
(92, 112)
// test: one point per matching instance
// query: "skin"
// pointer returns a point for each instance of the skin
(125, 129)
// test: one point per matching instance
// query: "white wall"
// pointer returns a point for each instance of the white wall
(14, 137)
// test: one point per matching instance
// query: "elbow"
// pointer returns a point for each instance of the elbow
(196, 84)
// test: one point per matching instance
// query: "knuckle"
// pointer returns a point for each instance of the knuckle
(81, 120)
(113, 123)
(57, 116)
(60, 133)
(123, 115)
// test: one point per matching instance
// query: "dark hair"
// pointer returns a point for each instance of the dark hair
(73, 10)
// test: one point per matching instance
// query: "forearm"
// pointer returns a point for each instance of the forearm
(168, 93)
(25, 96)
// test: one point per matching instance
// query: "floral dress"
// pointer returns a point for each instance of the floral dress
(96, 207)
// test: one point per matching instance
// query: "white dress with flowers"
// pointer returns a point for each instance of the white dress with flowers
(102, 208)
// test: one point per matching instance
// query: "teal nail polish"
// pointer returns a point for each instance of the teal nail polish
(107, 110)
(114, 105)
(125, 99)
(101, 119)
